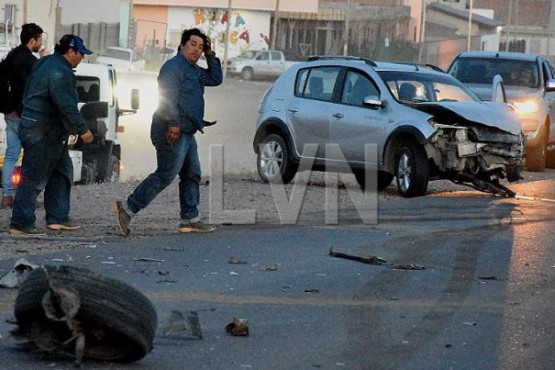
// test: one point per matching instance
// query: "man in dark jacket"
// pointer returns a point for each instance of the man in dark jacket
(21, 61)
(50, 114)
(180, 114)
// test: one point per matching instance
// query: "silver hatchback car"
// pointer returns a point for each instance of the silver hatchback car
(427, 125)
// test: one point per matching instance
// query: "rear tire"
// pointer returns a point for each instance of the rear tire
(247, 74)
(412, 170)
(273, 162)
(113, 170)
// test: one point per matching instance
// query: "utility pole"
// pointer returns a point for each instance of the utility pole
(469, 37)
(346, 32)
(226, 45)
(509, 24)
(422, 32)
(275, 28)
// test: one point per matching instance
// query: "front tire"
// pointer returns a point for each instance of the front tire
(536, 157)
(412, 170)
(273, 162)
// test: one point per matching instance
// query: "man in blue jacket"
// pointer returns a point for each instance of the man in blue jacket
(50, 114)
(180, 114)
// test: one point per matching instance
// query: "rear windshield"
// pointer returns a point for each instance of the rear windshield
(482, 71)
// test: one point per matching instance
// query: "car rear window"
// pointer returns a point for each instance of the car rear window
(482, 71)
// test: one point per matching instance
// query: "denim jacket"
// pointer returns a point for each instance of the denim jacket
(50, 97)
(181, 89)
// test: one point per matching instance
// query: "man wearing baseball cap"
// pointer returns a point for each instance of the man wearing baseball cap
(50, 114)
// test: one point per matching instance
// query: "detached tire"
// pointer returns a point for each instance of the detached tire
(118, 321)
(412, 170)
(113, 170)
(273, 162)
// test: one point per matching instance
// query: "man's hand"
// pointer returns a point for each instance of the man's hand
(208, 47)
(87, 137)
(173, 135)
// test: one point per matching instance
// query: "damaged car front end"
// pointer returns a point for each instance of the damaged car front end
(476, 146)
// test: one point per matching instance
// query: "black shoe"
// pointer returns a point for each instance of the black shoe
(123, 218)
(28, 230)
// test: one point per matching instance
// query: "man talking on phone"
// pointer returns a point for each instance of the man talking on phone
(180, 114)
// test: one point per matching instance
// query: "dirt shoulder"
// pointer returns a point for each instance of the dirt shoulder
(92, 209)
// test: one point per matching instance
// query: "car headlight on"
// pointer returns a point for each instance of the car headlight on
(526, 106)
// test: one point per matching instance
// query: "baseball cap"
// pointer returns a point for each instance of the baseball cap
(76, 42)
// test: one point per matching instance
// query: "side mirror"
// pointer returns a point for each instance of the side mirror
(94, 110)
(374, 101)
(135, 99)
(550, 85)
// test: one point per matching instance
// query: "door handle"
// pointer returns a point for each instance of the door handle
(293, 110)
(337, 115)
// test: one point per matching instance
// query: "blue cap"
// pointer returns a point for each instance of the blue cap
(76, 42)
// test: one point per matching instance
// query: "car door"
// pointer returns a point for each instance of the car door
(277, 63)
(261, 64)
(310, 110)
(354, 124)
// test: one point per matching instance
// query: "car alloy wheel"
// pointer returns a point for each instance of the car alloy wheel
(273, 160)
(412, 170)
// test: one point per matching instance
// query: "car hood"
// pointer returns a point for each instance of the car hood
(491, 114)
(513, 92)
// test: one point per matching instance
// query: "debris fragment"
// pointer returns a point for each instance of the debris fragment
(269, 268)
(180, 326)
(146, 259)
(15, 276)
(233, 273)
(238, 328)
(372, 260)
(469, 323)
(312, 290)
(409, 266)
(236, 261)
(487, 278)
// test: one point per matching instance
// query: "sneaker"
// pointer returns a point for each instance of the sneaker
(197, 227)
(28, 230)
(122, 217)
(63, 226)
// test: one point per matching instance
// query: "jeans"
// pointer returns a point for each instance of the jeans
(13, 150)
(46, 166)
(180, 159)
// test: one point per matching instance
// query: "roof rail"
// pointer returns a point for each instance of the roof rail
(342, 57)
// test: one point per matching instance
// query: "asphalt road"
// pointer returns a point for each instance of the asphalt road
(467, 284)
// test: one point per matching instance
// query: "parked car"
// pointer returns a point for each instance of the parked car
(258, 63)
(530, 86)
(122, 59)
(427, 125)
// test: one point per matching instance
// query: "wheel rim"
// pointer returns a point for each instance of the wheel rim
(404, 172)
(271, 159)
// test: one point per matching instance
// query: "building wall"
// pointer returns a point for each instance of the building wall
(151, 25)
(257, 5)
(524, 12)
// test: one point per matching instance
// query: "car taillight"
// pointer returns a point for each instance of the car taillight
(16, 177)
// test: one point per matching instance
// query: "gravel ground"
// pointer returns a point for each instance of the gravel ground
(92, 209)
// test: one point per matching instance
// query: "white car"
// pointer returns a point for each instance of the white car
(122, 59)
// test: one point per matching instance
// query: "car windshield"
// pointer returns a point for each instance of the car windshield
(482, 70)
(412, 87)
